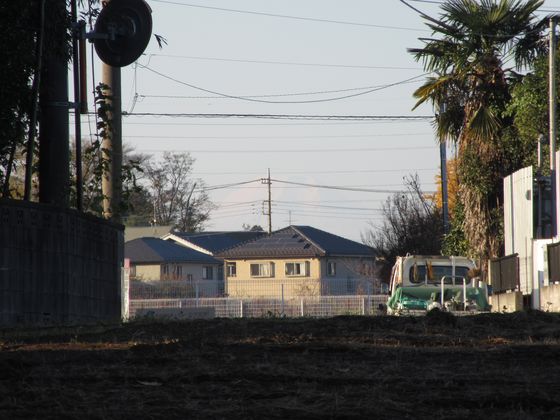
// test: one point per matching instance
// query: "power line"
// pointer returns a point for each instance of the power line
(250, 99)
(267, 124)
(277, 95)
(340, 136)
(333, 187)
(315, 150)
(290, 203)
(286, 63)
(219, 187)
(355, 171)
(251, 12)
(294, 117)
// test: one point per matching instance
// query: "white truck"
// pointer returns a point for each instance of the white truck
(420, 283)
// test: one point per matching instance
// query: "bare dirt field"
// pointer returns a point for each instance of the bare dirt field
(438, 366)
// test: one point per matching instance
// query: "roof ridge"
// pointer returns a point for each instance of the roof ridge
(308, 239)
(243, 242)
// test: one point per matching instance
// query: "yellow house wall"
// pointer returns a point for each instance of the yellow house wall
(153, 272)
(148, 272)
(243, 285)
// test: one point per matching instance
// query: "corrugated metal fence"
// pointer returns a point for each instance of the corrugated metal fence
(504, 273)
(553, 251)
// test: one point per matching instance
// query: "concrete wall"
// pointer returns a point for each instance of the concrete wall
(58, 266)
(507, 302)
(550, 298)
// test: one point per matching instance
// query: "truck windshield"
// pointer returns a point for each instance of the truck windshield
(419, 274)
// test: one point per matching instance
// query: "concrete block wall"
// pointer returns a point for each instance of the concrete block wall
(550, 298)
(507, 302)
(58, 266)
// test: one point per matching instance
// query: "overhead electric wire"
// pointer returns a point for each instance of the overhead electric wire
(293, 117)
(245, 98)
(251, 12)
(343, 136)
(284, 203)
(277, 95)
(333, 187)
(315, 150)
(286, 63)
(321, 172)
(268, 124)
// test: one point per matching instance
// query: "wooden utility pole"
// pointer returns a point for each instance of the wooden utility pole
(111, 184)
(269, 214)
(552, 98)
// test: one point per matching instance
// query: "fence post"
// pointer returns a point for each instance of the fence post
(196, 291)
(363, 306)
(241, 308)
(302, 307)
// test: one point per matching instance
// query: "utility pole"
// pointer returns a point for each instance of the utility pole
(269, 214)
(552, 120)
(112, 144)
(78, 69)
(54, 153)
(443, 163)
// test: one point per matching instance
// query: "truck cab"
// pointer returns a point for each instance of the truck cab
(425, 282)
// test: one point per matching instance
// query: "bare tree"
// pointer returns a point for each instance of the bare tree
(412, 224)
(179, 199)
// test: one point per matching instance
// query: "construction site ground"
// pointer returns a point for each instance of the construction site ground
(489, 366)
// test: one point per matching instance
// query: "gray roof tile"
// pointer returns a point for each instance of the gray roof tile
(298, 241)
(155, 250)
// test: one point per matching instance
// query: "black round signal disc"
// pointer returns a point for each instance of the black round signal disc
(128, 27)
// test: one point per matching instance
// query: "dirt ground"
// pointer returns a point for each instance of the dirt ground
(438, 366)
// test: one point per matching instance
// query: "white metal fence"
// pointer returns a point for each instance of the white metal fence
(320, 306)
(252, 299)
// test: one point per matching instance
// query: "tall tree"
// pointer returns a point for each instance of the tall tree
(469, 53)
(19, 25)
(179, 199)
(412, 224)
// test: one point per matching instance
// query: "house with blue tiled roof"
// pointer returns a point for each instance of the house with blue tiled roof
(299, 260)
(156, 259)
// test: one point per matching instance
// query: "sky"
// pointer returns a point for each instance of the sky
(297, 58)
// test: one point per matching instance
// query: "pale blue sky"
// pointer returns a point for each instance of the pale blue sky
(223, 51)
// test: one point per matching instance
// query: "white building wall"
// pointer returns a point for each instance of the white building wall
(518, 222)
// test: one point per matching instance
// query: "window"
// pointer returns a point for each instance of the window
(165, 269)
(189, 277)
(231, 269)
(132, 272)
(297, 269)
(207, 273)
(178, 271)
(434, 274)
(220, 272)
(331, 268)
(262, 269)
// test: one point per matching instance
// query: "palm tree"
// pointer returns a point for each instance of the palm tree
(475, 52)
